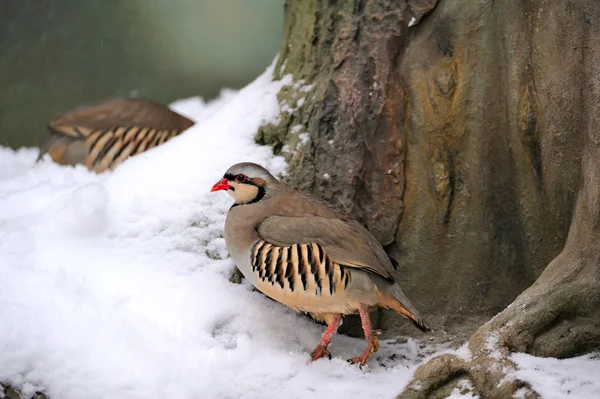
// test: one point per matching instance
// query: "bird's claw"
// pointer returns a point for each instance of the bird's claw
(361, 360)
(375, 344)
(320, 352)
(372, 347)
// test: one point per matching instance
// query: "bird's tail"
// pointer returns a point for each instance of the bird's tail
(53, 140)
(43, 150)
(401, 305)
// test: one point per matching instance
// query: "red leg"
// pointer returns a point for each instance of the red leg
(370, 337)
(321, 349)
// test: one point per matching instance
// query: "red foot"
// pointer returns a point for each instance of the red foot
(319, 352)
(370, 336)
(321, 349)
(372, 347)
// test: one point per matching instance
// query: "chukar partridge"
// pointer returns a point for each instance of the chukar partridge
(103, 135)
(300, 251)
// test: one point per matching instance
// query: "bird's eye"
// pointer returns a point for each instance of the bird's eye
(241, 178)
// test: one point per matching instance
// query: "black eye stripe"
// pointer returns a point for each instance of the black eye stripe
(239, 178)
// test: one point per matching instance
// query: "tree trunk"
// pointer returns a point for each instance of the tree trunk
(469, 145)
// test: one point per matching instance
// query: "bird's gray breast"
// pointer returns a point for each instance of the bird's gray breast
(241, 234)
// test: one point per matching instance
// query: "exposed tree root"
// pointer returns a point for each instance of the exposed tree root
(558, 316)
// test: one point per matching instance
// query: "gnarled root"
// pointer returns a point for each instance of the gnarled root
(558, 316)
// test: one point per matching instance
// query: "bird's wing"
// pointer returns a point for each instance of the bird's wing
(346, 242)
(74, 131)
(124, 112)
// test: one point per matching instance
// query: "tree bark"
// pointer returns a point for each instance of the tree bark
(343, 55)
(469, 145)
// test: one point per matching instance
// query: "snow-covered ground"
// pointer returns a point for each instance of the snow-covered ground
(568, 378)
(116, 285)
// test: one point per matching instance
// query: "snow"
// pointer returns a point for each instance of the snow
(304, 138)
(463, 390)
(464, 353)
(116, 285)
(491, 345)
(560, 378)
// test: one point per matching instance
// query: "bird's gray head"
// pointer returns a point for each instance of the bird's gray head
(246, 182)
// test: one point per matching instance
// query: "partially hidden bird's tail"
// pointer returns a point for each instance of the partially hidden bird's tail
(43, 150)
(55, 143)
(397, 301)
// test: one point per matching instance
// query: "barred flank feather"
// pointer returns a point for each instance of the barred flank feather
(303, 267)
(108, 148)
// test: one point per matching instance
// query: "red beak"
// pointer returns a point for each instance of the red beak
(221, 185)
